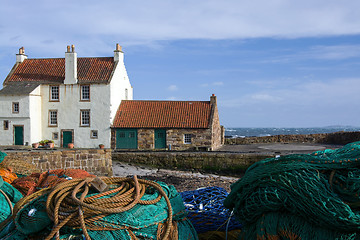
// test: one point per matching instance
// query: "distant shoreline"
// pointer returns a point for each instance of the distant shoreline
(266, 132)
(338, 138)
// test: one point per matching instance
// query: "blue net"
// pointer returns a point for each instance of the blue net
(206, 210)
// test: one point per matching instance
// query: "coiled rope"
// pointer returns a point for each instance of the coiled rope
(66, 208)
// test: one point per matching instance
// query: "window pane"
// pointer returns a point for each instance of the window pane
(94, 134)
(53, 118)
(187, 138)
(15, 107)
(54, 95)
(85, 92)
(85, 118)
(6, 124)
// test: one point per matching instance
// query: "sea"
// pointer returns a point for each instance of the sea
(261, 132)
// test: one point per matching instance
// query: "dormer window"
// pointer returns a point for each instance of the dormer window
(85, 93)
(54, 93)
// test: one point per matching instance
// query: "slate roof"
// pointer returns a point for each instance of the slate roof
(52, 70)
(163, 114)
(21, 88)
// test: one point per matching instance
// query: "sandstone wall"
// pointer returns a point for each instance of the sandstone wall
(200, 138)
(230, 163)
(94, 161)
(328, 138)
(146, 139)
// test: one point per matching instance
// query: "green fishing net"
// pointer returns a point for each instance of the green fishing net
(300, 196)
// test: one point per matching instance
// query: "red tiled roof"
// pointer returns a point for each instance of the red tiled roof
(163, 114)
(52, 70)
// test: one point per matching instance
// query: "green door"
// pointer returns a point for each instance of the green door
(126, 138)
(67, 138)
(160, 138)
(19, 135)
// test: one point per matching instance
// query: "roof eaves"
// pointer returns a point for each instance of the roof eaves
(10, 73)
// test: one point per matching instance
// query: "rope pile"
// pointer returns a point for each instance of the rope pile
(130, 208)
(206, 210)
(308, 196)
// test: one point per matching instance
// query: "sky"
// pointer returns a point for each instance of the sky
(271, 63)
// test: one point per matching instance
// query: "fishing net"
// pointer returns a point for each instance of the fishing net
(308, 196)
(19, 166)
(206, 210)
(127, 209)
(7, 175)
(8, 197)
(2, 156)
(36, 181)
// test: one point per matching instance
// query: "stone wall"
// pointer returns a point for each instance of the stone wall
(229, 163)
(341, 138)
(216, 129)
(146, 139)
(94, 161)
(200, 138)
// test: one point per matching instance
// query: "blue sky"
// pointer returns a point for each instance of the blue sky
(271, 63)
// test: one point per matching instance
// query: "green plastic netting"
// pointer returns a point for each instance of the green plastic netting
(307, 196)
(2, 156)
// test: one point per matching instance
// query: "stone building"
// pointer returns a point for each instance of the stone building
(67, 100)
(172, 125)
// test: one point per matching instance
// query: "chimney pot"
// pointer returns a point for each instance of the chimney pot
(213, 95)
(118, 48)
(21, 56)
(72, 48)
(68, 48)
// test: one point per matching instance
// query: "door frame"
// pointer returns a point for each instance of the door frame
(61, 137)
(23, 130)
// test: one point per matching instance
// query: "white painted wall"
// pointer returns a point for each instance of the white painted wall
(34, 110)
(118, 84)
(69, 117)
(36, 123)
(21, 118)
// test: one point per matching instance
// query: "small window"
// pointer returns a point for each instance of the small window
(187, 138)
(85, 93)
(126, 94)
(15, 107)
(94, 134)
(85, 118)
(6, 124)
(53, 118)
(54, 93)
(55, 135)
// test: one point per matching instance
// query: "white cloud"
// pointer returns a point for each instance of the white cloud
(143, 22)
(172, 98)
(173, 88)
(218, 83)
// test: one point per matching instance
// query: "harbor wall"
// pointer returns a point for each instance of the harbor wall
(216, 162)
(94, 161)
(340, 138)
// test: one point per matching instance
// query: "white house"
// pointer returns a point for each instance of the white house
(66, 100)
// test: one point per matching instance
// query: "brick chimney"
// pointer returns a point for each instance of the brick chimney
(118, 54)
(70, 65)
(213, 100)
(21, 56)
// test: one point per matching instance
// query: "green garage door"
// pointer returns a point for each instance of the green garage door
(126, 138)
(160, 138)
